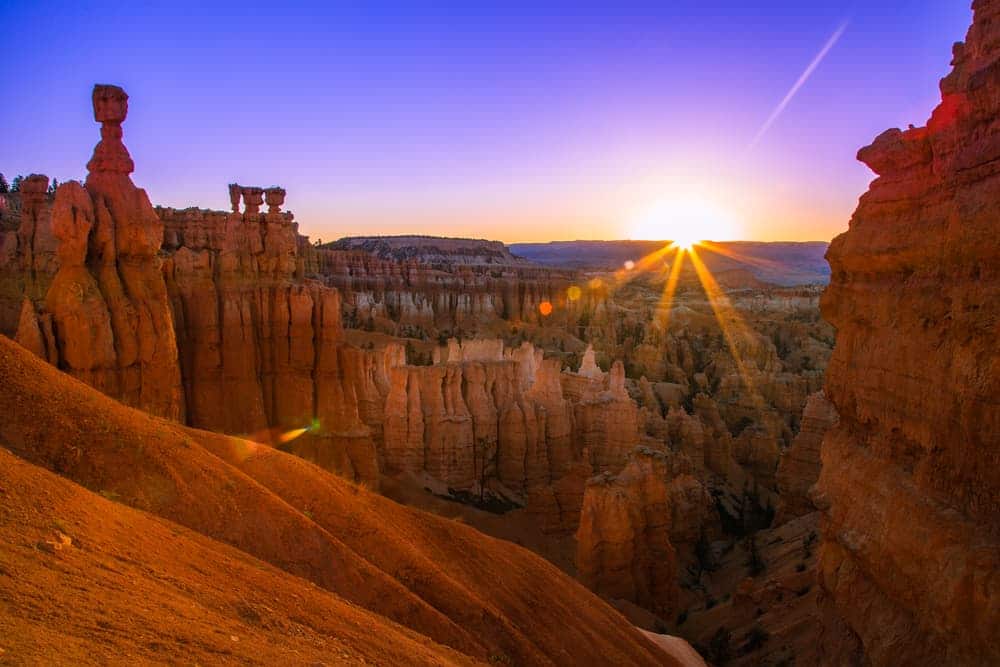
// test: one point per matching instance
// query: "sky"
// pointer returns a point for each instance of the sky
(512, 121)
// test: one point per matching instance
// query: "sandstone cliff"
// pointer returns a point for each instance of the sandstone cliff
(910, 480)
(633, 524)
(800, 463)
(509, 421)
(260, 349)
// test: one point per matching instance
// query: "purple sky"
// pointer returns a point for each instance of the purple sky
(512, 122)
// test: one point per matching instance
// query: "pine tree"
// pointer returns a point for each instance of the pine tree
(4, 187)
(15, 185)
(53, 186)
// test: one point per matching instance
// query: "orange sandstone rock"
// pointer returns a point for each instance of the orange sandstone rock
(625, 546)
(800, 463)
(910, 479)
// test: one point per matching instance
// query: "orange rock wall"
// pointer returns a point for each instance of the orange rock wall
(423, 300)
(260, 349)
(910, 480)
(632, 524)
(514, 420)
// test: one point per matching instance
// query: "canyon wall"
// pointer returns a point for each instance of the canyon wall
(511, 422)
(800, 463)
(910, 480)
(638, 529)
(260, 348)
(406, 297)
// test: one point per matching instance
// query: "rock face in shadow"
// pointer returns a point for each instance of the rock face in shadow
(800, 463)
(630, 523)
(107, 303)
(910, 481)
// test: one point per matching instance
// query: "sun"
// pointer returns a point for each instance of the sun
(684, 221)
(685, 240)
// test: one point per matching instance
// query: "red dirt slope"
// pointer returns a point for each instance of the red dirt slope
(128, 587)
(486, 598)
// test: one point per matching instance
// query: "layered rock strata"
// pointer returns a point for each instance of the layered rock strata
(260, 348)
(509, 419)
(910, 480)
(405, 297)
(800, 463)
(632, 525)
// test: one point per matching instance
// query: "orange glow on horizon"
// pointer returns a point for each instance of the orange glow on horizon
(685, 219)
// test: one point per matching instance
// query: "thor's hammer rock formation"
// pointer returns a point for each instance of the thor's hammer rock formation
(110, 316)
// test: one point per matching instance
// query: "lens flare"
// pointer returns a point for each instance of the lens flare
(734, 330)
(545, 308)
(288, 436)
(573, 293)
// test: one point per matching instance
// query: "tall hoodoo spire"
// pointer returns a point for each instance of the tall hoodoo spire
(110, 109)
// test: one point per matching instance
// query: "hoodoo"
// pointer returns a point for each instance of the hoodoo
(107, 303)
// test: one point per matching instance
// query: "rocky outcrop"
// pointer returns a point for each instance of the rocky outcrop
(629, 525)
(260, 348)
(199, 316)
(910, 479)
(107, 304)
(799, 466)
(508, 422)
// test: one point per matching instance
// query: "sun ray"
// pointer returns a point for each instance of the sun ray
(643, 265)
(729, 253)
(734, 330)
(667, 299)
